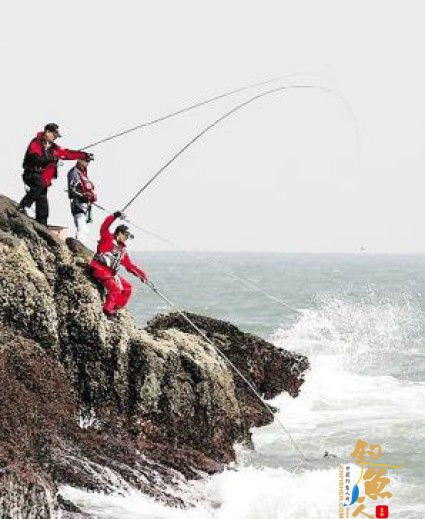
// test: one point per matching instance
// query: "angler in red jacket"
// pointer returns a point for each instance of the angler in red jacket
(111, 253)
(40, 168)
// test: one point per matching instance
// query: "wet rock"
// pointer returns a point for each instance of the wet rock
(102, 404)
(24, 495)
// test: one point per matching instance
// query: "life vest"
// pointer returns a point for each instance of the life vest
(87, 186)
(112, 258)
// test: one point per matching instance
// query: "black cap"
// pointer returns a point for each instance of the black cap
(52, 127)
(123, 229)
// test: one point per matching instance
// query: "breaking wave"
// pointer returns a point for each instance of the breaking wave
(365, 382)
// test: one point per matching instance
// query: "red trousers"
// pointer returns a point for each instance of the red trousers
(118, 288)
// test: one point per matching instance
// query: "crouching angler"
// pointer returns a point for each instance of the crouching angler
(111, 253)
(82, 195)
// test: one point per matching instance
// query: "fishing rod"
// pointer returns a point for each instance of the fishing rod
(302, 456)
(228, 114)
(211, 265)
(150, 233)
(232, 366)
(190, 107)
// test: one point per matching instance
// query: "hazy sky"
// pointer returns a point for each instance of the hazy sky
(284, 173)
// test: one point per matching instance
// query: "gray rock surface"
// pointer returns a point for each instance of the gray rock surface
(102, 400)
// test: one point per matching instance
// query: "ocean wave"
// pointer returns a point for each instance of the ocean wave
(353, 390)
(363, 335)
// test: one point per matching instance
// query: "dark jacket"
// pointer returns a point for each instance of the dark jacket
(43, 160)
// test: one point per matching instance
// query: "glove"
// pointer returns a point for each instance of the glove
(144, 277)
(118, 214)
(83, 198)
(89, 157)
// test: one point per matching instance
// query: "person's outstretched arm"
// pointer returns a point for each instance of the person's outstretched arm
(65, 154)
(134, 269)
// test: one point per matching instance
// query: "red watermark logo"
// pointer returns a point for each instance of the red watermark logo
(381, 512)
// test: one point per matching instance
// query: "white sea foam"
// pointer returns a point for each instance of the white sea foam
(249, 493)
(349, 393)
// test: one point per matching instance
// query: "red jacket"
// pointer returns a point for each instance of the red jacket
(44, 161)
(112, 254)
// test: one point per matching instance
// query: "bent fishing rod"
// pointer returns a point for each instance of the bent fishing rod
(229, 113)
(191, 107)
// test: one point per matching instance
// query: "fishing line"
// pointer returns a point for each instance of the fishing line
(162, 169)
(228, 114)
(211, 265)
(232, 366)
(215, 268)
(303, 459)
(191, 107)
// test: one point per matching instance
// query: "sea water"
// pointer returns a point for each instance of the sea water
(360, 319)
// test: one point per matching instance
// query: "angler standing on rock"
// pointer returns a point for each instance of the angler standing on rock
(40, 168)
(111, 253)
(82, 195)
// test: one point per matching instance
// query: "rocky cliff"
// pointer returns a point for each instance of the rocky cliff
(98, 403)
